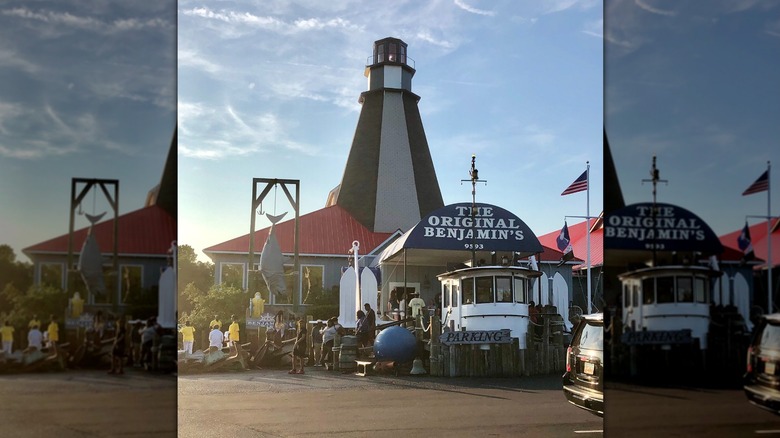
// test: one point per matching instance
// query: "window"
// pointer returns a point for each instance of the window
(312, 284)
(648, 291)
(380, 53)
(684, 289)
(392, 53)
(467, 288)
(626, 295)
(699, 290)
(446, 294)
(51, 275)
(504, 289)
(665, 290)
(132, 281)
(454, 294)
(521, 289)
(485, 290)
(232, 275)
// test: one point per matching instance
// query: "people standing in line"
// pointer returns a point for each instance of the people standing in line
(187, 337)
(34, 339)
(53, 333)
(280, 326)
(99, 326)
(416, 304)
(300, 348)
(34, 322)
(371, 321)
(8, 337)
(215, 338)
(402, 306)
(361, 329)
(393, 304)
(328, 336)
(316, 342)
(120, 345)
(216, 322)
(233, 336)
(147, 341)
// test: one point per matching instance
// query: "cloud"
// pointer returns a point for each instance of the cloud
(461, 4)
(253, 21)
(219, 133)
(594, 28)
(11, 58)
(773, 28)
(91, 24)
(654, 10)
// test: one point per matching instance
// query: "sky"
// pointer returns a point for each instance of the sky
(269, 89)
(87, 90)
(697, 84)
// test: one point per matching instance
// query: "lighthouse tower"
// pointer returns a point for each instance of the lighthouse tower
(389, 182)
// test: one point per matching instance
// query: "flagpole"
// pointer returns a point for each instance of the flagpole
(587, 230)
(769, 233)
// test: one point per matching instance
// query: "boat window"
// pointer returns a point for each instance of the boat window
(446, 299)
(664, 290)
(467, 290)
(684, 289)
(648, 291)
(626, 295)
(485, 290)
(521, 287)
(699, 290)
(504, 289)
(454, 294)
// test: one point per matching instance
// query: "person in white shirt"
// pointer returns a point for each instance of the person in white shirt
(416, 304)
(215, 338)
(34, 339)
(328, 336)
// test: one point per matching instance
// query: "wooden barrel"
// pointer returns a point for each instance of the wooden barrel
(348, 353)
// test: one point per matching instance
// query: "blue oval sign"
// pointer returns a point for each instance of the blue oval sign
(489, 228)
(671, 228)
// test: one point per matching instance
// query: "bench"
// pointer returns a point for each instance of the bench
(364, 367)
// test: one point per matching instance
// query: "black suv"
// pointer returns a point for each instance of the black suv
(583, 382)
(762, 380)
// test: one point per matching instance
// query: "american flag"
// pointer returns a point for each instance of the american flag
(761, 184)
(578, 185)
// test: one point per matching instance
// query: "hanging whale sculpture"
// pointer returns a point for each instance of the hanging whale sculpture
(272, 261)
(91, 261)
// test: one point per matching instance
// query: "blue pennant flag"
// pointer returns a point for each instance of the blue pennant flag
(564, 244)
(744, 243)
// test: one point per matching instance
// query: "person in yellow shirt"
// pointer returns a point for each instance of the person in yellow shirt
(188, 337)
(54, 333)
(8, 338)
(215, 322)
(34, 322)
(233, 336)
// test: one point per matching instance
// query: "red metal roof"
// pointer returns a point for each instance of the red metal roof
(147, 231)
(328, 231)
(758, 238)
(579, 242)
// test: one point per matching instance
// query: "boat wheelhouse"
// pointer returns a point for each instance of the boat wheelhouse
(669, 299)
(488, 298)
